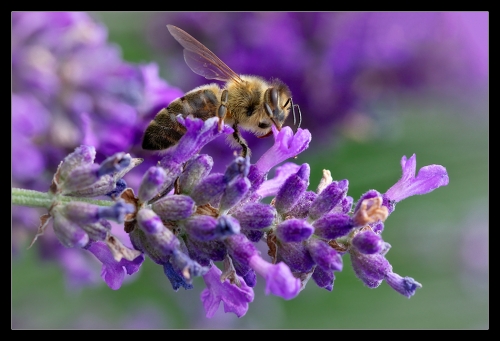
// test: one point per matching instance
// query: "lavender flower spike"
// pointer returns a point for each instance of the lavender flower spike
(235, 298)
(428, 179)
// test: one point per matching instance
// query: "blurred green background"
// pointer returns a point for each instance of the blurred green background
(440, 239)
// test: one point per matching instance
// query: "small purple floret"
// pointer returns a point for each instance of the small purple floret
(330, 197)
(235, 298)
(294, 230)
(279, 279)
(428, 179)
(368, 242)
(113, 272)
(151, 183)
(406, 286)
(286, 145)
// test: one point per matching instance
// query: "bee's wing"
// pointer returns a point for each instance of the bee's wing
(200, 59)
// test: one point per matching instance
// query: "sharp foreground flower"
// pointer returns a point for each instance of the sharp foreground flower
(187, 218)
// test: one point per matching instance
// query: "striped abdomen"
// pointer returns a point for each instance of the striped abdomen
(164, 130)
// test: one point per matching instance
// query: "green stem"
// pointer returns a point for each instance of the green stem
(30, 198)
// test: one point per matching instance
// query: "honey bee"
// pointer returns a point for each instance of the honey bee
(247, 102)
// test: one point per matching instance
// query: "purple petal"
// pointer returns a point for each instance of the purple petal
(428, 179)
(279, 279)
(272, 186)
(198, 134)
(235, 298)
(113, 272)
(286, 145)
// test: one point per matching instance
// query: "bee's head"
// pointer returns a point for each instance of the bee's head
(274, 111)
(277, 105)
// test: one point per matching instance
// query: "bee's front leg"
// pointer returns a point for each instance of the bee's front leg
(222, 110)
(245, 151)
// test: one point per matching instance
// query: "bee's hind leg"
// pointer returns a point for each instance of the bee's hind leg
(222, 110)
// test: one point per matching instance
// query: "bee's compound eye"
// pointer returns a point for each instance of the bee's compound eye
(274, 97)
(269, 112)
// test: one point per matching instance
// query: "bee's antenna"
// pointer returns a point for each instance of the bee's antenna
(300, 116)
(293, 111)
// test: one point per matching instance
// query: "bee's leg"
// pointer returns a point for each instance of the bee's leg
(222, 110)
(245, 151)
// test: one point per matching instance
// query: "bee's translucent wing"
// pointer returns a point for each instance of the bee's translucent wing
(200, 59)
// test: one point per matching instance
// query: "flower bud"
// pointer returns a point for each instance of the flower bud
(196, 169)
(371, 269)
(406, 286)
(238, 167)
(253, 235)
(240, 248)
(205, 251)
(323, 278)
(68, 232)
(296, 256)
(255, 215)
(82, 156)
(97, 231)
(201, 227)
(209, 187)
(368, 242)
(301, 209)
(174, 207)
(324, 255)
(151, 184)
(293, 188)
(114, 164)
(233, 193)
(333, 225)
(149, 221)
(330, 197)
(294, 230)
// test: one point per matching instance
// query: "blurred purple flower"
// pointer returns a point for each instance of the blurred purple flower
(70, 86)
(63, 67)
